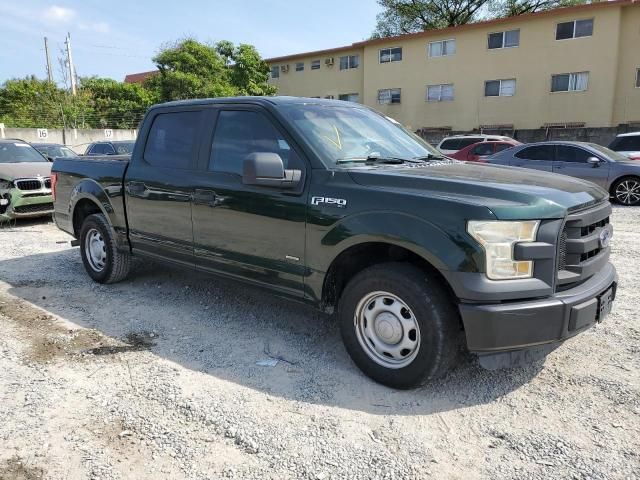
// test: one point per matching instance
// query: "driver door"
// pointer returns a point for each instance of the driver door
(249, 231)
(572, 161)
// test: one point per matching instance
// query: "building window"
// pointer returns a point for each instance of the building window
(315, 65)
(328, 97)
(388, 55)
(440, 93)
(349, 97)
(574, 29)
(442, 48)
(388, 96)
(275, 72)
(500, 88)
(299, 66)
(638, 78)
(508, 39)
(570, 82)
(349, 61)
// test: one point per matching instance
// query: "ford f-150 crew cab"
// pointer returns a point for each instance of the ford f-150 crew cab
(333, 204)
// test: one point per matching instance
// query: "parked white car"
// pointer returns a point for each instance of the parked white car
(450, 145)
(628, 144)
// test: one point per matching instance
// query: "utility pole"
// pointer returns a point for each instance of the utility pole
(72, 71)
(46, 52)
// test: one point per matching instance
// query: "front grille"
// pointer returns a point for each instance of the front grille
(581, 251)
(37, 208)
(28, 184)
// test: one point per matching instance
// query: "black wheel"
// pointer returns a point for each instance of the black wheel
(399, 325)
(626, 191)
(102, 260)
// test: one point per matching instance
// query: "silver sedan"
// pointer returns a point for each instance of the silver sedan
(612, 171)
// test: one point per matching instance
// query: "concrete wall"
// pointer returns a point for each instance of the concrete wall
(74, 138)
(611, 56)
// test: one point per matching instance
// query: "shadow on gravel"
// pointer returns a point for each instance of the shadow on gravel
(222, 328)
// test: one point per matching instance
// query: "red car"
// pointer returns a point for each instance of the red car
(477, 151)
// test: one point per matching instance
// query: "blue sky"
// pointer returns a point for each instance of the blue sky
(116, 37)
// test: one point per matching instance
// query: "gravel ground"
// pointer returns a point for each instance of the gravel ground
(156, 377)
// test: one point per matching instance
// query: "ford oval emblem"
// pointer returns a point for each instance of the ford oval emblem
(605, 237)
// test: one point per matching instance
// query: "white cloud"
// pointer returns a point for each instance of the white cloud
(58, 15)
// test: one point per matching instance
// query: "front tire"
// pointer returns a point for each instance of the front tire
(399, 325)
(101, 258)
(626, 191)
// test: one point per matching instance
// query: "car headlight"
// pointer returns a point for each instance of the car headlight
(5, 185)
(498, 239)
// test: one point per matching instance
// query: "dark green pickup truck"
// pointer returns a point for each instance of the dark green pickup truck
(332, 204)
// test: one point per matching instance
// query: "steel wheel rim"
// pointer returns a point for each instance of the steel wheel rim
(387, 330)
(628, 192)
(95, 250)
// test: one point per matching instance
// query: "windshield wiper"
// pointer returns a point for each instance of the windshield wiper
(375, 159)
(430, 156)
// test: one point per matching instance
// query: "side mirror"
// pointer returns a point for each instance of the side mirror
(50, 158)
(594, 161)
(267, 169)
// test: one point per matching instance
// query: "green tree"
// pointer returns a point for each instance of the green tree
(31, 103)
(248, 72)
(116, 104)
(512, 8)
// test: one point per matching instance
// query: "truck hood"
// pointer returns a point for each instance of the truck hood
(509, 192)
(11, 171)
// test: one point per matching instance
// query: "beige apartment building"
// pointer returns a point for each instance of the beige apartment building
(575, 66)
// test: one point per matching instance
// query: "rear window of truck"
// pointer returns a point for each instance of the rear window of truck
(173, 139)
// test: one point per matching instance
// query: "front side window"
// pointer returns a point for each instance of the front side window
(539, 152)
(173, 139)
(442, 48)
(570, 82)
(574, 29)
(440, 93)
(349, 97)
(459, 143)
(485, 148)
(500, 88)
(388, 96)
(388, 55)
(19, 152)
(299, 66)
(275, 72)
(502, 146)
(508, 39)
(349, 61)
(315, 65)
(344, 134)
(239, 134)
(566, 153)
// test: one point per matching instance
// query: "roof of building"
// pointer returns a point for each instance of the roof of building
(139, 77)
(459, 28)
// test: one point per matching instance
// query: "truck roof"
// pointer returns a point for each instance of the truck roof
(278, 100)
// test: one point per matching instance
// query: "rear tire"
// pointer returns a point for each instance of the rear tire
(626, 191)
(102, 260)
(399, 325)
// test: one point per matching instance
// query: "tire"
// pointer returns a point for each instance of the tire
(378, 310)
(95, 236)
(626, 191)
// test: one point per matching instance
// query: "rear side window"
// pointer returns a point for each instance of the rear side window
(485, 148)
(172, 140)
(241, 133)
(539, 152)
(626, 144)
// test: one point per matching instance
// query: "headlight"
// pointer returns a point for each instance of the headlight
(5, 185)
(498, 239)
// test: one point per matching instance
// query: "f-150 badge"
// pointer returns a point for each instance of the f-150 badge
(334, 202)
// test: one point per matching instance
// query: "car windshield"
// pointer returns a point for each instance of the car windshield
(19, 152)
(123, 148)
(55, 151)
(346, 135)
(610, 154)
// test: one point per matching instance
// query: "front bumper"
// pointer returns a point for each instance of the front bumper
(21, 204)
(539, 325)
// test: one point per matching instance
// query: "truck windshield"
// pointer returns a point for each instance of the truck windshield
(347, 135)
(19, 152)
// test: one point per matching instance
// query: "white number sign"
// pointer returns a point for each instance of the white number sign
(43, 133)
(108, 133)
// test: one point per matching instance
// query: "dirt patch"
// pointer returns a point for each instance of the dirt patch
(15, 469)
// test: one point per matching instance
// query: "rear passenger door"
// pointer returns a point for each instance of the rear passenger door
(572, 161)
(536, 157)
(253, 232)
(159, 184)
